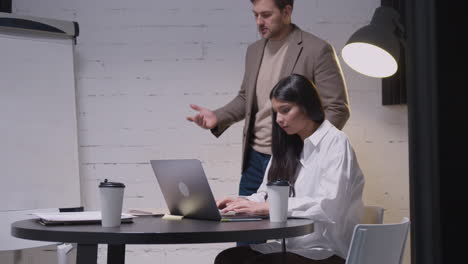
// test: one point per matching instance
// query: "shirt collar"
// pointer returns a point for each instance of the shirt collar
(319, 133)
(313, 140)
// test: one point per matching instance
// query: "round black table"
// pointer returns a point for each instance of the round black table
(155, 230)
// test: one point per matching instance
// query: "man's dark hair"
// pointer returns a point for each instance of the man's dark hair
(281, 4)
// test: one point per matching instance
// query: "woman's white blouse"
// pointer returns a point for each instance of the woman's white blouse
(328, 189)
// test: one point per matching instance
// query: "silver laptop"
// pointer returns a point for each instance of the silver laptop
(187, 192)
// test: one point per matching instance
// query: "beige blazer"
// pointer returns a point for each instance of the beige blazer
(310, 56)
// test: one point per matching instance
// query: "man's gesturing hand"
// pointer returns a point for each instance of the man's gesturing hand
(205, 118)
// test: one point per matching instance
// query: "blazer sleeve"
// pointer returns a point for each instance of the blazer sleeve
(233, 111)
(332, 87)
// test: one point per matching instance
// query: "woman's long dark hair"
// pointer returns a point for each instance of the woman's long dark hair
(286, 149)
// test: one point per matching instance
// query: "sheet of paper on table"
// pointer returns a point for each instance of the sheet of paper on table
(147, 211)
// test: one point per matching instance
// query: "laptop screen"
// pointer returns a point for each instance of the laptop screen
(185, 188)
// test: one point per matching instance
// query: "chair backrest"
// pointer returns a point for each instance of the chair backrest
(7, 241)
(380, 243)
(372, 215)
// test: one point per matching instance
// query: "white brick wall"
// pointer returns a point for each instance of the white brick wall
(140, 63)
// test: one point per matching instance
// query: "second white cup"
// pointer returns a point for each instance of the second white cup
(111, 203)
(278, 194)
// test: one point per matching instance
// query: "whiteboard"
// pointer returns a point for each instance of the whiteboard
(39, 165)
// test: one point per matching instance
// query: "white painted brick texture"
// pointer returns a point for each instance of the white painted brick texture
(140, 63)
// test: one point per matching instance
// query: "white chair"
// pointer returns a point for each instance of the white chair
(378, 243)
(372, 215)
(15, 246)
(64, 249)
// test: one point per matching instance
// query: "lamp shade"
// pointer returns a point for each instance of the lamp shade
(374, 50)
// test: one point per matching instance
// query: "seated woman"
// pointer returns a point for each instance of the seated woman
(318, 160)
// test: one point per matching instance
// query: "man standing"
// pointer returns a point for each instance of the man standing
(283, 50)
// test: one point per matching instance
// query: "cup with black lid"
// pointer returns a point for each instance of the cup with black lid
(278, 194)
(111, 202)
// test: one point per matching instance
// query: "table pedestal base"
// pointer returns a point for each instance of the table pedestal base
(87, 254)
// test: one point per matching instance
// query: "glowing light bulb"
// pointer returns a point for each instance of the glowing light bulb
(369, 60)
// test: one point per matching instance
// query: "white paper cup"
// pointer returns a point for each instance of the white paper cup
(278, 194)
(111, 203)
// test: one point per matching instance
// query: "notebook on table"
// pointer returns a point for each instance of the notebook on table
(187, 192)
(76, 218)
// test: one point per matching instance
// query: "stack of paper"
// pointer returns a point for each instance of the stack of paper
(87, 217)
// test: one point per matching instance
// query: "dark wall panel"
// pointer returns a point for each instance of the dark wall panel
(5, 6)
(437, 117)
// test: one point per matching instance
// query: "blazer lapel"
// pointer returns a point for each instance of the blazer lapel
(293, 52)
(255, 61)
